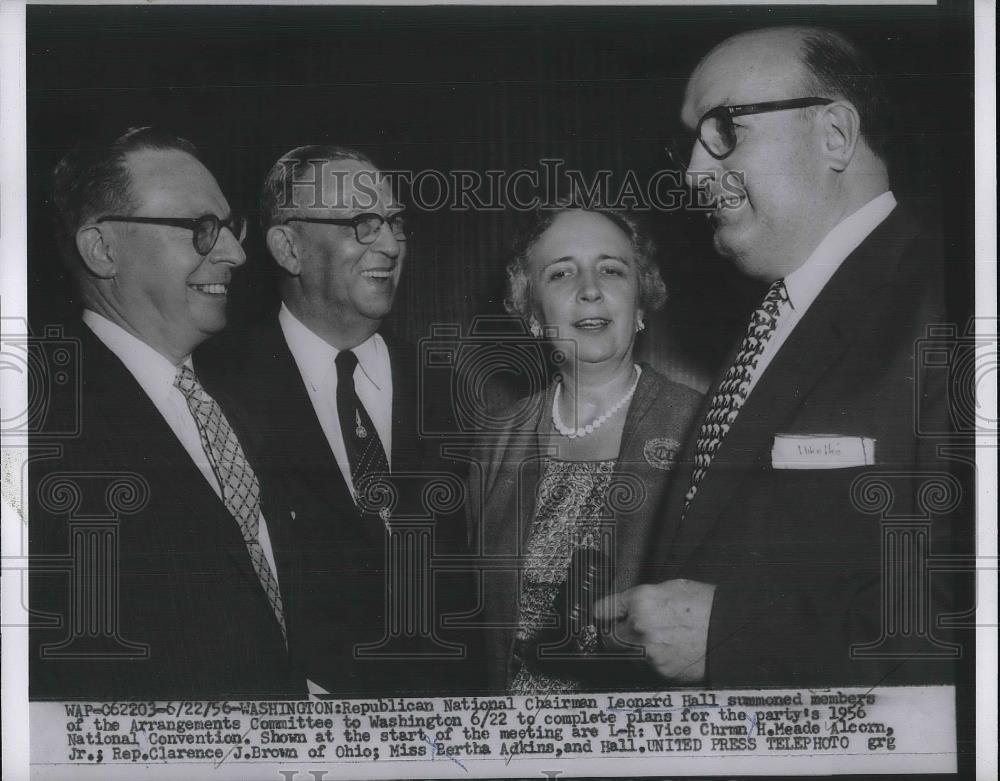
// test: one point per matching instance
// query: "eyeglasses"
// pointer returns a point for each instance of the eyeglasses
(366, 226)
(205, 229)
(717, 133)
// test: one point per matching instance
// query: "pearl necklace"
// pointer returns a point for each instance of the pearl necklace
(576, 433)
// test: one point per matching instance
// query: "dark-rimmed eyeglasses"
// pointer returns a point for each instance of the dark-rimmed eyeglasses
(205, 230)
(717, 133)
(366, 226)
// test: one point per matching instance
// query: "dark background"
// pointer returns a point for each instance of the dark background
(478, 89)
(468, 88)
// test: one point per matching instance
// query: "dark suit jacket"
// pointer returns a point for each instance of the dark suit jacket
(338, 555)
(180, 613)
(797, 555)
(504, 488)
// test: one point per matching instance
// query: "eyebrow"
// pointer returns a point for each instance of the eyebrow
(573, 257)
(199, 214)
(726, 101)
(351, 214)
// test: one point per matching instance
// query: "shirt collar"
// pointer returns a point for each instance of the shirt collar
(315, 356)
(805, 283)
(152, 370)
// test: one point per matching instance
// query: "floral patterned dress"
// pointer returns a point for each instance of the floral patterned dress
(570, 514)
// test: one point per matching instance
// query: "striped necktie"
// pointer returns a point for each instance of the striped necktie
(735, 386)
(240, 489)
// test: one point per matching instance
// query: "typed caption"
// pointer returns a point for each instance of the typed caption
(894, 730)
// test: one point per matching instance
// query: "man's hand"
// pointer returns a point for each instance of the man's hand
(670, 620)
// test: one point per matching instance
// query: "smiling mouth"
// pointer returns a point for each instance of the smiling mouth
(727, 202)
(592, 323)
(380, 274)
(212, 289)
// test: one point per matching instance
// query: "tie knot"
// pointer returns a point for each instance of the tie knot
(346, 361)
(776, 293)
(186, 381)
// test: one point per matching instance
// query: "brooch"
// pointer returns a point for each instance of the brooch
(662, 453)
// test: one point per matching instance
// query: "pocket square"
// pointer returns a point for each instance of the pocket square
(821, 451)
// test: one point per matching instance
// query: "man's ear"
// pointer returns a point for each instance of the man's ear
(93, 242)
(284, 248)
(841, 131)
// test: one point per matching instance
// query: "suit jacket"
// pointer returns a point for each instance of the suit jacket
(503, 493)
(339, 555)
(798, 555)
(179, 612)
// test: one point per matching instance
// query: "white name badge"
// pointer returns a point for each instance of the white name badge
(821, 451)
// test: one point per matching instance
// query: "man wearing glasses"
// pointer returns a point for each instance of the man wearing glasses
(335, 403)
(770, 569)
(173, 590)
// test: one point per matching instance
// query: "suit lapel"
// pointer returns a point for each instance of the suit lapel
(123, 409)
(405, 412)
(509, 503)
(302, 439)
(632, 533)
(674, 504)
(837, 319)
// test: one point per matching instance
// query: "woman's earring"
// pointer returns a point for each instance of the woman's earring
(535, 328)
(640, 325)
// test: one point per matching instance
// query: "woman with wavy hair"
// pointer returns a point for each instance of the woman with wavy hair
(570, 496)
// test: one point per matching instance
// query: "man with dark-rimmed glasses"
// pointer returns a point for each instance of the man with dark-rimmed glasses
(770, 570)
(336, 404)
(180, 589)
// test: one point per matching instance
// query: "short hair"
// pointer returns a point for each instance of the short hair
(94, 181)
(652, 291)
(276, 194)
(837, 67)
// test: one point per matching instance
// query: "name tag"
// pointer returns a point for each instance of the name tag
(821, 451)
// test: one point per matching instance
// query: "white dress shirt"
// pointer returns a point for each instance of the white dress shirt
(805, 283)
(372, 381)
(156, 376)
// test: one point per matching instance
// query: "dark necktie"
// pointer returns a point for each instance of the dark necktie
(735, 386)
(240, 489)
(365, 452)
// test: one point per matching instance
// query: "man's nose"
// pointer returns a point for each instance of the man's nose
(228, 249)
(702, 167)
(386, 242)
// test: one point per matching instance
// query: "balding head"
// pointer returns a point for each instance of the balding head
(806, 61)
(765, 64)
(802, 169)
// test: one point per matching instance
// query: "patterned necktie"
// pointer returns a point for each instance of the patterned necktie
(240, 489)
(365, 452)
(735, 386)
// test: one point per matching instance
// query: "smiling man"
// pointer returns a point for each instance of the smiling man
(335, 227)
(334, 401)
(773, 568)
(190, 602)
